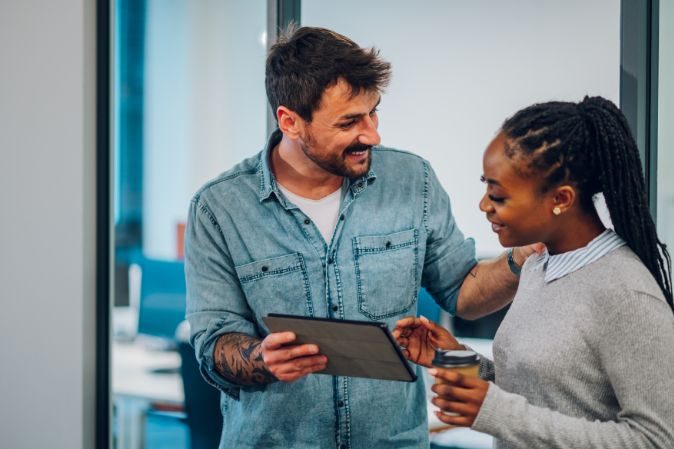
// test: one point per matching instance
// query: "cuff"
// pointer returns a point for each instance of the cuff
(486, 419)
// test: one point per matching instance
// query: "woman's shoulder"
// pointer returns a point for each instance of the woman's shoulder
(622, 276)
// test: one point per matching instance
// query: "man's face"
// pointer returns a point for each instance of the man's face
(342, 132)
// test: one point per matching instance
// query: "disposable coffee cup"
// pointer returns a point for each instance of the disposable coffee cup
(460, 361)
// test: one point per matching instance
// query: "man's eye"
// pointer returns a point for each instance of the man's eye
(374, 111)
(346, 125)
(496, 199)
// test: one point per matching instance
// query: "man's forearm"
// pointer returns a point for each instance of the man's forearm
(238, 358)
(488, 287)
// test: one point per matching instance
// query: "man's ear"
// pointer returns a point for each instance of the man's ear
(564, 197)
(289, 122)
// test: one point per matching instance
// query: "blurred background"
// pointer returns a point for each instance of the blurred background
(189, 102)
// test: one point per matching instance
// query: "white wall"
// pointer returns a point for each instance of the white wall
(666, 125)
(461, 67)
(47, 241)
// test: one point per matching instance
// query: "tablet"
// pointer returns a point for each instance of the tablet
(353, 348)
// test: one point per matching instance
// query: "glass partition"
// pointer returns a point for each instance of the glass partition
(188, 103)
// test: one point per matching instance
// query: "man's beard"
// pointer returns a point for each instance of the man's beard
(336, 164)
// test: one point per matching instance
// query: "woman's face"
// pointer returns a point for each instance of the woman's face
(518, 212)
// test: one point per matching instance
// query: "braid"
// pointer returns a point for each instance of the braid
(590, 144)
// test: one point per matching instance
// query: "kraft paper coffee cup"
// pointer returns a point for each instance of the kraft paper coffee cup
(460, 361)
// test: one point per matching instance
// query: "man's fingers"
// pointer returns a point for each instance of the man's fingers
(290, 371)
(277, 339)
(285, 354)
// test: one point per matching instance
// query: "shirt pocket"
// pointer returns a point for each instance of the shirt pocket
(277, 285)
(386, 273)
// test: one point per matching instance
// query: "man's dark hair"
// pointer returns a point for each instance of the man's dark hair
(590, 145)
(304, 63)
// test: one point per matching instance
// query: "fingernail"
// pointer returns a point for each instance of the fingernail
(423, 318)
(432, 371)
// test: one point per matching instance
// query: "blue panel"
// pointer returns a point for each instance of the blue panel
(427, 306)
(162, 297)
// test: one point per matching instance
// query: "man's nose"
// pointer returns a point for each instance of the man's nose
(369, 134)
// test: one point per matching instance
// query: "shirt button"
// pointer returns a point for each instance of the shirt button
(265, 269)
(342, 446)
(335, 308)
(388, 244)
(341, 217)
(307, 221)
(330, 261)
(340, 403)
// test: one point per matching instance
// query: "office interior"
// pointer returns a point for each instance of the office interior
(115, 112)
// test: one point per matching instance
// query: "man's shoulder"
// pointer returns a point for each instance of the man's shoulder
(394, 157)
(242, 176)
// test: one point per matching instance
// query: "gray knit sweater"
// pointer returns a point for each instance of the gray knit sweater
(586, 361)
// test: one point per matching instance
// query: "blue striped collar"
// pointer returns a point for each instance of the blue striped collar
(560, 265)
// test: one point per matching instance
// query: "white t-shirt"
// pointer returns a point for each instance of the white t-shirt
(323, 212)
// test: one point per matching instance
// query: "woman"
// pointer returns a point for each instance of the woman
(585, 355)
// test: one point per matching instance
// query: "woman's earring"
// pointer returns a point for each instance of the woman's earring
(556, 211)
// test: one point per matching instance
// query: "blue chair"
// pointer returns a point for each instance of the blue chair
(162, 297)
(427, 306)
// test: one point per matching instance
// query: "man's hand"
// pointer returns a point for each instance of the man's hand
(288, 362)
(490, 285)
(459, 397)
(522, 253)
(419, 338)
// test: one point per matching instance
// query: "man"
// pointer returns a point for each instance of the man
(323, 223)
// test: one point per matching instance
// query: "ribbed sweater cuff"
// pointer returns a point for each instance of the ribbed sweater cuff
(491, 415)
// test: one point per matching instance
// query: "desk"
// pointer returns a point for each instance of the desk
(135, 386)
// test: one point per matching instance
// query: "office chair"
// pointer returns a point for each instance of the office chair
(428, 307)
(202, 403)
(162, 297)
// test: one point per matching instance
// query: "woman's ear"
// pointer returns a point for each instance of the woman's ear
(289, 122)
(564, 198)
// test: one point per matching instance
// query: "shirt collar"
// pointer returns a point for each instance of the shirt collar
(268, 182)
(559, 265)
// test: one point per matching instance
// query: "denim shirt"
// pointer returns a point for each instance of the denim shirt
(250, 252)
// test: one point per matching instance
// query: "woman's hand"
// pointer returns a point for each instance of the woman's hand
(459, 397)
(419, 337)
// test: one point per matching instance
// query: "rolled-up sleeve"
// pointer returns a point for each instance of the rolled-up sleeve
(215, 303)
(449, 256)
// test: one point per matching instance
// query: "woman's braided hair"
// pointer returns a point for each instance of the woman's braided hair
(589, 144)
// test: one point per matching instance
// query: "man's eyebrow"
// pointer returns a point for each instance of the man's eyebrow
(354, 116)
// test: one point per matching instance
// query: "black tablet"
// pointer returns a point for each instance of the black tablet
(353, 348)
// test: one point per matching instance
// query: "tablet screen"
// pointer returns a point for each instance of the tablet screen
(353, 348)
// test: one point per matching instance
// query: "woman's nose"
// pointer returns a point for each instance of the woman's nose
(485, 205)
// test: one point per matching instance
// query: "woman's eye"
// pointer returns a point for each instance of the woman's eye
(496, 199)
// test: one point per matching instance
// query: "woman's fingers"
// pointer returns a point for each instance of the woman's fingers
(452, 392)
(454, 407)
(459, 421)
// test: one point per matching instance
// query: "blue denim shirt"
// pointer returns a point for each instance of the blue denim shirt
(250, 252)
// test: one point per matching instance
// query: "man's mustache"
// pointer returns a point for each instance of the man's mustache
(357, 148)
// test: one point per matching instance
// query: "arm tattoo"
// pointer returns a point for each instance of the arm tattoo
(238, 358)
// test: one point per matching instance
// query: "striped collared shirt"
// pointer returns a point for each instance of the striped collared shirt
(560, 265)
